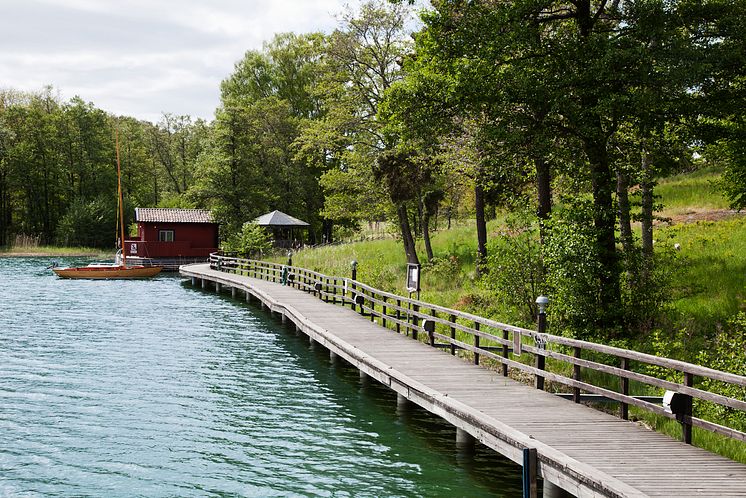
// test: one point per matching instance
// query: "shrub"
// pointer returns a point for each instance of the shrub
(514, 267)
(572, 271)
(90, 224)
(251, 241)
(727, 354)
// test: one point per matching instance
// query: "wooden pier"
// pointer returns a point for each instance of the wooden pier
(573, 447)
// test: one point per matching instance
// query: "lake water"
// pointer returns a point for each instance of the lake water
(153, 388)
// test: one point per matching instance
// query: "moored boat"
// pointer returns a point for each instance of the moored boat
(111, 270)
(108, 272)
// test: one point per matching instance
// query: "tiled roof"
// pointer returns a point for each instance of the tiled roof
(168, 215)
(279, 219)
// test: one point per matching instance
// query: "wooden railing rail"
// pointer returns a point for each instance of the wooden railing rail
(482, 339)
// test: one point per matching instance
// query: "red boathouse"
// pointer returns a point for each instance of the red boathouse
(170, 237)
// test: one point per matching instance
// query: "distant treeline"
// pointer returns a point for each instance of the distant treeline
(569, 111)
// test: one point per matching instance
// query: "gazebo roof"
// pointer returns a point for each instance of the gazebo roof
(279, 219)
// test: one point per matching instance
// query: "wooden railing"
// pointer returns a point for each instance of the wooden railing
(481, 339)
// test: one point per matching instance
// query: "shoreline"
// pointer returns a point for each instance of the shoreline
(21, 254)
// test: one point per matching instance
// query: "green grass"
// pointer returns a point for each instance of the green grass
(55, 251)
(382, 263)
(691, 191)
(711, 288)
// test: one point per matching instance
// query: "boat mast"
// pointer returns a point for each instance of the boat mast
(121, 204)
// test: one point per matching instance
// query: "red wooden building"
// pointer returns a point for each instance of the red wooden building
(167, 235)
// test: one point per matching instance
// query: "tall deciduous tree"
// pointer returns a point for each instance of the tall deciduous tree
(362, 61)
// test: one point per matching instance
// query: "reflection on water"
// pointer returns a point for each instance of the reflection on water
(152, 388)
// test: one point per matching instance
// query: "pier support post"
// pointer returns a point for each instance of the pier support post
(283, 318)
(402, 403)
(554, 491)
(464, 440)
(333, 357)
(364, 378)
(217, 287)
(194, 281)
(248, 297)
(204, 283)
(233, 292)
(529, 473)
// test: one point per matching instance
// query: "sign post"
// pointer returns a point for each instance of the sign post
(413, 279)
(413, 285)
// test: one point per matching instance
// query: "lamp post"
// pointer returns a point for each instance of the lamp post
(542, 302)
(290, 258)
(353, 264)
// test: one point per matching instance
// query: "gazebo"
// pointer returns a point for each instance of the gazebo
(283, 227)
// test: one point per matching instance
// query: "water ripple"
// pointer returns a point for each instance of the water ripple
(151, 388)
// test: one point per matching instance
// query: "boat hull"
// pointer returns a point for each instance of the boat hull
(103, 273)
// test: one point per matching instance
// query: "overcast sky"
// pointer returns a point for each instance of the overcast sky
(144, 57)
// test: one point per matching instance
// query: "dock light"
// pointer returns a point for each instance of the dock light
(542, 301)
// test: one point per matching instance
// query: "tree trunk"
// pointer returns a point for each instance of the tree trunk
(406, 234)
(646, 187)
(603, 221)
(328, 229)
(625, 224)
(481, 228)
(426, 234)
(544, 193)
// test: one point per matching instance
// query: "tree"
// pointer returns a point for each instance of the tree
(361, 63)
(251, 164)
(549, 74)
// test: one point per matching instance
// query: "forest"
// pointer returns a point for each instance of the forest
(565, 115)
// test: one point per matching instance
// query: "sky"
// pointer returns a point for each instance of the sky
(144, 57)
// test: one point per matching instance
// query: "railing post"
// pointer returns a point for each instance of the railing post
(415, 321)
(384, 312)
(505, 352)
(353, 264)
(452, 319)
(625, 389)
(476, 343)
(576, 375)
(542, 302)
(398, 316)
(686, 419)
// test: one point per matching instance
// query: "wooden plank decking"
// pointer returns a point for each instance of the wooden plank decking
(582, 450)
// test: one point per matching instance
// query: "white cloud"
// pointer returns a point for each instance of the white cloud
(143, 57)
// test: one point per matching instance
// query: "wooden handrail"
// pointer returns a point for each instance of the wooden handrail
(409, 316)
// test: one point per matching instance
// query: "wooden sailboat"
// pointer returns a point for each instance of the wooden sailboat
(116, 270)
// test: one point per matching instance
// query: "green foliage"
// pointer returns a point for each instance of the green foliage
(514, 266)
(89, 224)
(726, 353)
(572, 269)
(252, 241)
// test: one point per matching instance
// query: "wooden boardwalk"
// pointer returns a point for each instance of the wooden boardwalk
(581, 450)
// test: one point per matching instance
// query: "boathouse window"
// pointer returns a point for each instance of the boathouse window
(165, 235)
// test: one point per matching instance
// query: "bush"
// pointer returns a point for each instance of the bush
(90, 224)
(251, 241)
(572, 272)
(727, 354)
(514, 267)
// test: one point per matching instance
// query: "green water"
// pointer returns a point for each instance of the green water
(152, 388)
